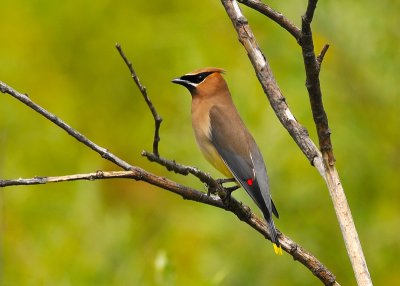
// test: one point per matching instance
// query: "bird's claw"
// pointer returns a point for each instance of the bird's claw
(228, 190)
(225, 180)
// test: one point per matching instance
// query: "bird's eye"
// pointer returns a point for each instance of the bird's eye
(200, 77)
(196, 78)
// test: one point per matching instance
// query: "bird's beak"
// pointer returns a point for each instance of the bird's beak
(178, 80)
(184, 83)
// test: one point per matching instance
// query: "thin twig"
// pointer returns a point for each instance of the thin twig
(156, 116)
(277, 17)
(321, 56)
(135, 173)
(171, 165)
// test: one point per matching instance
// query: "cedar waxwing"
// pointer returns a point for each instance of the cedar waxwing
(225, 141)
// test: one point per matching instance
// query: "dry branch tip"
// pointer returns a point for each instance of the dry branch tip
(157, 118)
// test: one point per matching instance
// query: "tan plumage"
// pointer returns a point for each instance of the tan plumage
(224, 139)
(203, 100)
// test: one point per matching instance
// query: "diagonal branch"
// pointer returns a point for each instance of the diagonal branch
(156, 116)
(213, 185)
(277, 17)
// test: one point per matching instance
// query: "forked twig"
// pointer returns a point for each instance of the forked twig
(313, 85)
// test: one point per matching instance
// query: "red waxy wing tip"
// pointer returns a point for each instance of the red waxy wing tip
(250, 181)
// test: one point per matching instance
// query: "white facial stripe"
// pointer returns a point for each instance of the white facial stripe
(189, 82)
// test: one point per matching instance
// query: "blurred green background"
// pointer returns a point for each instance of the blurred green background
(121, 232)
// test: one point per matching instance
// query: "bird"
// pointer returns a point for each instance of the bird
(225, 141)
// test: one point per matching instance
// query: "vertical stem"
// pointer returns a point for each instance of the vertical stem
(336, 191)
(347, 226)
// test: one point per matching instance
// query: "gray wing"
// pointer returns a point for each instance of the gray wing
(242, 157)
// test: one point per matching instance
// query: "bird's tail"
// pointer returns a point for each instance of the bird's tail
(274, 236)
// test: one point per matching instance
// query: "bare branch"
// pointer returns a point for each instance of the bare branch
(156, 116)
(313, 84)
(135, 173)
(309, 15)
(213, 185)
(277, 17)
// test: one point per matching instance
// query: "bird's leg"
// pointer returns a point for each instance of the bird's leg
(228, 190)
(221, 182)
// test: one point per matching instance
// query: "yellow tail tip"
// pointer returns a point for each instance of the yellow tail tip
(277, 249)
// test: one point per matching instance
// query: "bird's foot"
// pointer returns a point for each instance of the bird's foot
(228, 190)
(225, 180)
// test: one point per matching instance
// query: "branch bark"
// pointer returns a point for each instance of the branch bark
(312, 68)
(323, 162)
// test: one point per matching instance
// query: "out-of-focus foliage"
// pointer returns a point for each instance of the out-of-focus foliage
(123, 232)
